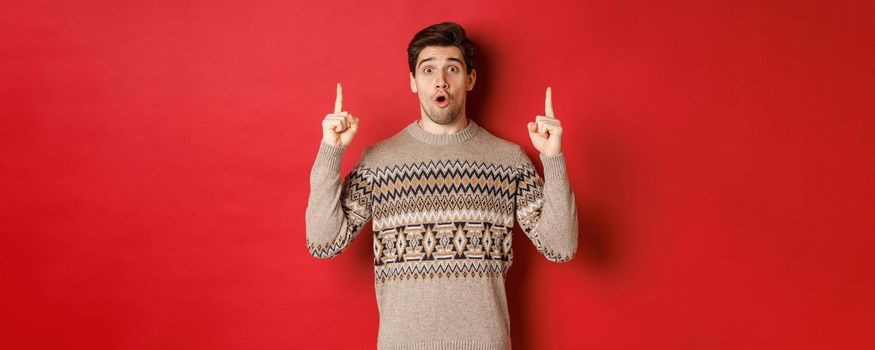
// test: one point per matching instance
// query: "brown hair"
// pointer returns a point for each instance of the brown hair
(441, 34)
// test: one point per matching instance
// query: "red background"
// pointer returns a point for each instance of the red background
(155, 157)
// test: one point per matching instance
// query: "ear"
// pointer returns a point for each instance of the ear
(412, 83)
(471, 79)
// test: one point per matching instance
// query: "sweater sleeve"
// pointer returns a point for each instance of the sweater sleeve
(545, 209)
(336, 210)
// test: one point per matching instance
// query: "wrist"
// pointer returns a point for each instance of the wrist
(551, 153)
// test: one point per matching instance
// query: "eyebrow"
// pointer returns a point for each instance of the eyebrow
(448, 59)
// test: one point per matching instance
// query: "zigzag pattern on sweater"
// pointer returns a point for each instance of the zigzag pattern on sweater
(447, 176)
(441, 269)
(443, 191)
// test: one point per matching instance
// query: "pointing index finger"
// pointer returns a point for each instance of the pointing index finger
(338, 102)
(548, 103)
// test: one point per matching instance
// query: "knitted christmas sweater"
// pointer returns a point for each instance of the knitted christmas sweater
(442, 208)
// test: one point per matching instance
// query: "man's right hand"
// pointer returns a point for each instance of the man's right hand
(339, 127)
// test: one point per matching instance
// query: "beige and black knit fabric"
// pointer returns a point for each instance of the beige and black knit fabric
(442, 208)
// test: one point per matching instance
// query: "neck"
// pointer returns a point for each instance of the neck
(417, 132)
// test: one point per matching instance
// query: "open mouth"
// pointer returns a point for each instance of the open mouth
(441, 100)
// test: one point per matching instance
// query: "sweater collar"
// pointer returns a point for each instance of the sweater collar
(443, 139)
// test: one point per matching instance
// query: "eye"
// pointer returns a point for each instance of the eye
(427, 70)
(453, 69)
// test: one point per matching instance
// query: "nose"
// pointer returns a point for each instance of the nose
(441, 82)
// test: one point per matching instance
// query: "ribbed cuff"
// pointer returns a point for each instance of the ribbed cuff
(554, 167)
(328, 159)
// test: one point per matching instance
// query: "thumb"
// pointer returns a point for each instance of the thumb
(353, 122)
(533, 133)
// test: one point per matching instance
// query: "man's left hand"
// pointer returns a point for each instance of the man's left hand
(546, 130)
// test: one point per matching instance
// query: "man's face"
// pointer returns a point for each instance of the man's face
(441, 82)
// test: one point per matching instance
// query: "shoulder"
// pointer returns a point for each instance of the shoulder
(381, 151)
(498, 145)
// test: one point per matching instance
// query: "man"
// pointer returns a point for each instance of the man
(442, 195)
